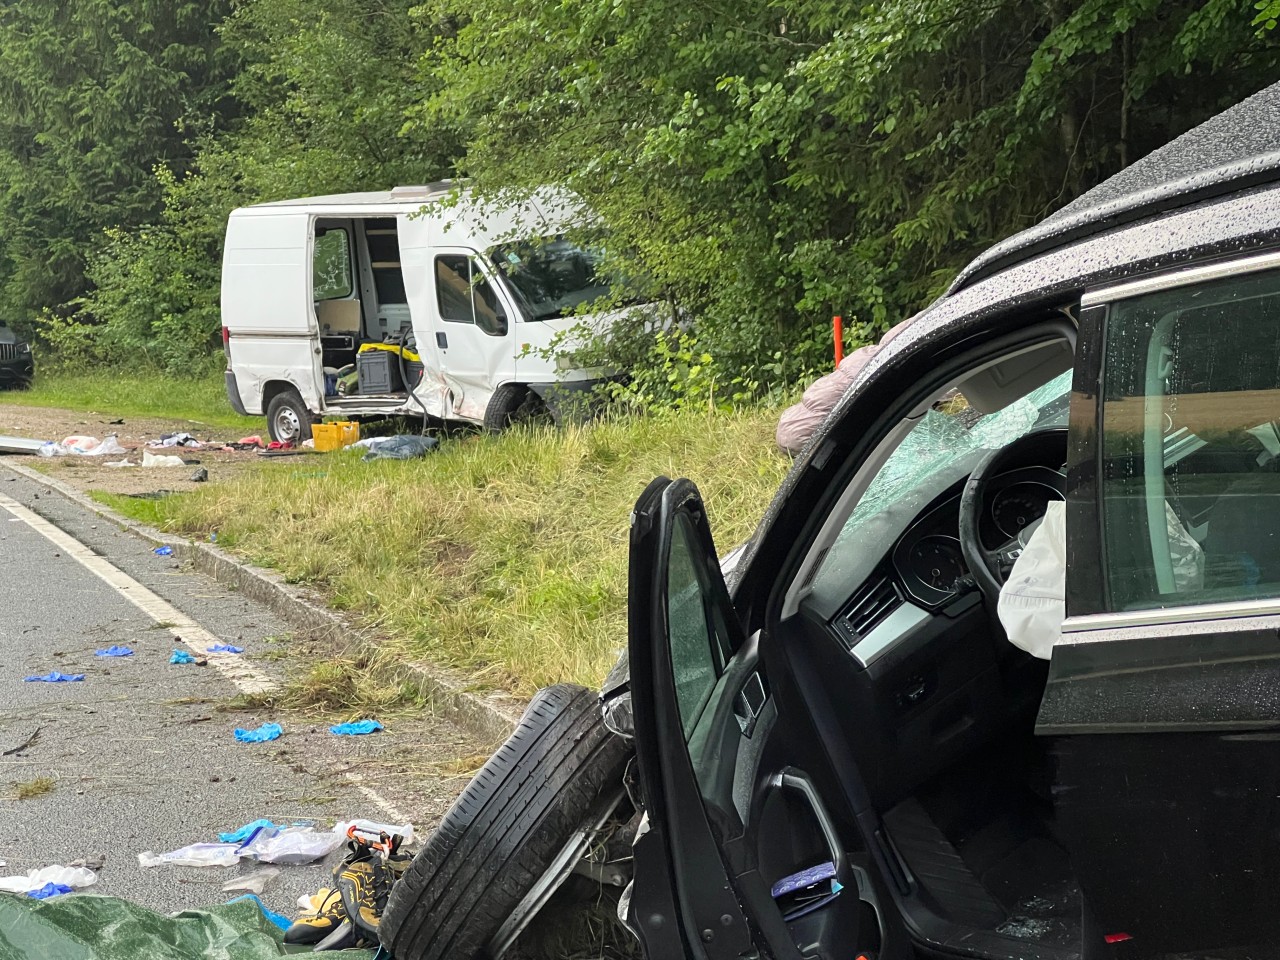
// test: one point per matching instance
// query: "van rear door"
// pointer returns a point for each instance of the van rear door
(266, 306)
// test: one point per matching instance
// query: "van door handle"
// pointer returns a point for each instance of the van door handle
(442, 341)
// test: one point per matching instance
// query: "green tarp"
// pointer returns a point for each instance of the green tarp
(85, 926)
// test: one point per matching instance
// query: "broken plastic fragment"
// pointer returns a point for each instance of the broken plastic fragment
(268, 731)
(114, 651)
(56, 677)
(356, 728)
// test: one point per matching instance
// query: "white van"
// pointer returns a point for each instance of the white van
(370, 305)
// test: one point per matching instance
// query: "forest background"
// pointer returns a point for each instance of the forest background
(761, 165)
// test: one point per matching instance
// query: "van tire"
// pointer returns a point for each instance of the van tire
(513, 404)
(511, 837)
(288, 417)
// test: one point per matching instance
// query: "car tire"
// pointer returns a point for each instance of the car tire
(513, 404)
(513, 835)
(288, 417)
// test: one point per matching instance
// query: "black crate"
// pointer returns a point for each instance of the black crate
(379, 372)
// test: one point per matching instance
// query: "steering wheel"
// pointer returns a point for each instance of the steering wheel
(989, 567)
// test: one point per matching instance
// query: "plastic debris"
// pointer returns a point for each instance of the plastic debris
(56, 677)
(150, 459)
(181, 656)
(126, 462)
(277, 919)
(255, 881)
(114, 651)
(247, 831)
(177, 440)
(268, 731)
(49, 890)
(213, 537)
(83, 447)
(373, 828)
(71, 877)
(194, 855)
(291, 845)
(225, 648)
(356, 728)
(165, 551)
(200, 476)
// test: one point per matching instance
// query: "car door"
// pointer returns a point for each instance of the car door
(472, 331)
(741, 857)
(1162, 696)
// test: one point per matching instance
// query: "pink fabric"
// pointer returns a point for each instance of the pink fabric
(798, 422)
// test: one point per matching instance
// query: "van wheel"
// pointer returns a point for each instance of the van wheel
(288, 418)
(513, 836)
(513, 404)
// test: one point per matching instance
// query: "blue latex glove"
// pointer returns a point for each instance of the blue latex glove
(181, 656)
(245, 832)
(225, 648)
(163, 551)
(56, 677)
(268, 731)
(49, 890)
(114, 651)
(356, 729)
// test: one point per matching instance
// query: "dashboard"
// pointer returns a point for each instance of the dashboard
(927, 560)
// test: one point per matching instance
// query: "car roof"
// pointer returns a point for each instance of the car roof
(1231, 151)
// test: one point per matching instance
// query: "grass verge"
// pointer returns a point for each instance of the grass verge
(502, 556)
(141, 393)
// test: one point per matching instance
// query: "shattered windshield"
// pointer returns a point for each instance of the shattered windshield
(941, 449)
(550, 277)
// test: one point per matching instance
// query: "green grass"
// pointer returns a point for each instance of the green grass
(137, 393)
(502, 556)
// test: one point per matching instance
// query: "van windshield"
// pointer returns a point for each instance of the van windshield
(550, 277)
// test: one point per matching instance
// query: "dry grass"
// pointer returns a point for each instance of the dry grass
(30, 789)
(502, 556)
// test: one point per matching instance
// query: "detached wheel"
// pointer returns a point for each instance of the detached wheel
(513, 836)
(513, 404)
(288, 418)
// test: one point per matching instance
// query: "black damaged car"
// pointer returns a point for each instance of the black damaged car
(16, 364)
(838, 751)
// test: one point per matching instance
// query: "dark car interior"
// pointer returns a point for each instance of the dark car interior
(895, 672)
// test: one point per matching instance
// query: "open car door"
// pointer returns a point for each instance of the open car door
(740, 857)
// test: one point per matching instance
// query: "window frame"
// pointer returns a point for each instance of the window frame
(1088, 594)
(475, 267)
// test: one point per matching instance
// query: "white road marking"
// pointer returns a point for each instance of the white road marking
(377, 799)
(246, 677)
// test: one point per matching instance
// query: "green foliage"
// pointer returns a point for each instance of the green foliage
(757, 168)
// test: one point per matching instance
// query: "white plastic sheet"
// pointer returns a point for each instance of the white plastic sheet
(291, 845)
(194, 855)
(74, 877)
(150, 459)
(83, 447)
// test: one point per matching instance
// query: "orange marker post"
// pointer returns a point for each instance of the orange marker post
(837, 329)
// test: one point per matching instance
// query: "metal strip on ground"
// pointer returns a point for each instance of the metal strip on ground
(245, 677)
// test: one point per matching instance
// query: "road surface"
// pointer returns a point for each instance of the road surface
(142, 753)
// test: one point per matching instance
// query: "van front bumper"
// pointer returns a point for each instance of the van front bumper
(17, 371)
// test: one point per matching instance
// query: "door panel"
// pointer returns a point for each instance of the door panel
(1160, 697)
(756, 861)
(472, 331)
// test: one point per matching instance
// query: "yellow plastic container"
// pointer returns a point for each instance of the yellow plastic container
(335, 436)
(327, 436)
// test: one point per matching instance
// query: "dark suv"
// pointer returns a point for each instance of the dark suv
(840, 752)
(16, 366)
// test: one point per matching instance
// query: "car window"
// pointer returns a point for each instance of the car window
(331, 265)
(464, 295)
(1190, 471)
(942, 448)
(699, 644)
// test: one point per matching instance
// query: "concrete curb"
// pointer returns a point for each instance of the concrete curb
(491, 717)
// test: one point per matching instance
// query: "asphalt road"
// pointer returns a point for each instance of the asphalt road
(141, 754)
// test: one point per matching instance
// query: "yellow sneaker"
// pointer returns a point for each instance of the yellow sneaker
(318, 920)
